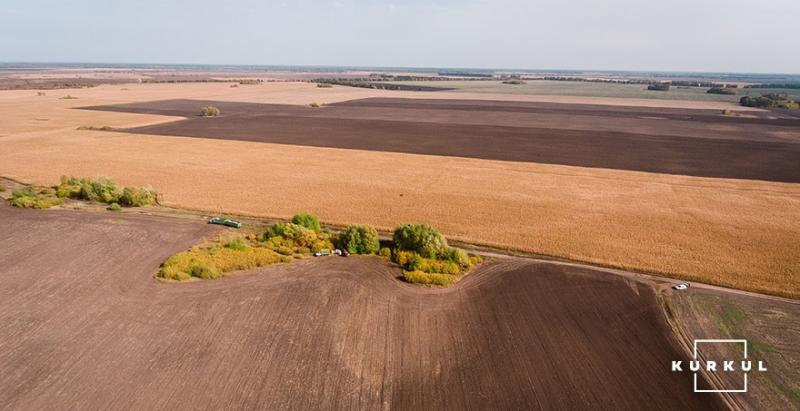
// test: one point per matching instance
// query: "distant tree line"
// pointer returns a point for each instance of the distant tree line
(793, 86)
(770, 100)
(361, 83)
(677, 83)
(722, 90)
(659, 87)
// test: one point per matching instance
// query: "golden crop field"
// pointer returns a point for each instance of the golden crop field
(736, 233)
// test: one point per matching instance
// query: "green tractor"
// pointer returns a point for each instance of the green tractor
(225, 221)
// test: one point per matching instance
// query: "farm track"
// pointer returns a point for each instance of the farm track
(670, 141)
(83, 325)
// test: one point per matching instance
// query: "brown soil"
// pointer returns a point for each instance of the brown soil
(672, 141)
(83, 325)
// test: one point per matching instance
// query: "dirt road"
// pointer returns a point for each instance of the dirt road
(83, 326)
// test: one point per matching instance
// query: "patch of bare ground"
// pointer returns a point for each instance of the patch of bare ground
(84, 325)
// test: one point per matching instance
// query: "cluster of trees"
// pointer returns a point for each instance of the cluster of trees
(677, 83)
(793, 86)
(770, 100)
(722, 90)
(378, 85)
(659, 87)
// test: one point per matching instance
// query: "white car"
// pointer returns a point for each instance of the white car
(680, 287)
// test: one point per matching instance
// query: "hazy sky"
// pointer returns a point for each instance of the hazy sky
(690, 35)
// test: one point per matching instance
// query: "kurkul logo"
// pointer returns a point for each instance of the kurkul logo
(742, 365)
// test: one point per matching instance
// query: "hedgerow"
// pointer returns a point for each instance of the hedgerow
(104, 190)
(29, 197)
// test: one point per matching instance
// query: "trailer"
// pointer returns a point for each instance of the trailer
(225, 222)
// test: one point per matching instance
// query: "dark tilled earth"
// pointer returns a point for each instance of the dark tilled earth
(83, 325)
(761, 146)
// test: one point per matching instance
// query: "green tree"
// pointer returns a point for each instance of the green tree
(360, 239)
(307, 220)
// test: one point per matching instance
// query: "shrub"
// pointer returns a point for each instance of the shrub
(307, 220)
(237, 244)
(114, 207)
(291, 238)
(104, 190)
(432, 266)
(514, 82)
(137, 197)
(419, 277)
(30, 198)
(457, 256)
(423, 239)
(314, 105)
(209, 111)
(385, 252)
(95, 128)
(204, 271)
(324, 85)
(360, 239)
(215, 261)
(67, 97)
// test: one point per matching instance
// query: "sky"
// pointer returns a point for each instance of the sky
(675, 35)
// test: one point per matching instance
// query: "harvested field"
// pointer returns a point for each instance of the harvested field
(687, 142)
(735, 233)
(83, 325)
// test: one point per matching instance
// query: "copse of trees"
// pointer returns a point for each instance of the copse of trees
(307, 220)
(722, 90)
(659, 87)
(770, 100)
(422, 239)
(360, 239)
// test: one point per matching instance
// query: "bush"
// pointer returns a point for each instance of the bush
(137, 197)
(104, 190)
(237, 244)
(423, 239)
(114, 207)
(314, 105)
(291, 238)
(307, 220)
(385, 252)
(324, 85)
(37, 199)
(360, 239)
(457, 256)
(418, 277)
(209, 111)
(204, 271)
(213, 262)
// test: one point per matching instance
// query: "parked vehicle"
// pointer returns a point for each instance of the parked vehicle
(680, 287)
(322, 253)
(225, 222)
(345, 253)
